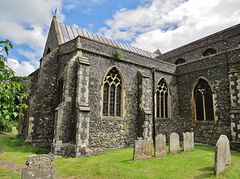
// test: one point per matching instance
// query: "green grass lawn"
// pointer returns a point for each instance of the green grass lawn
(119, 163)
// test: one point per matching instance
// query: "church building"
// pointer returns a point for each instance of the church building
(93, 93)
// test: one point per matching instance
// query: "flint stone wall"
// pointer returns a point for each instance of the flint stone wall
(112, 133)
(42, 97)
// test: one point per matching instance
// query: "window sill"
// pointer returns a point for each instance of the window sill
(162, 118)
(205, 122)
(111, 118)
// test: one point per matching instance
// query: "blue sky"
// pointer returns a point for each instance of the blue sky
(147, 24)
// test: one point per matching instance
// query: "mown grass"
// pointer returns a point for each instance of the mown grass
(15, 151)
(119, 163)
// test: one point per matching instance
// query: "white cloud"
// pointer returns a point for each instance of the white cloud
(26, 22)
(21, 69)
(170, 24)
(75, 25)
(30, 55)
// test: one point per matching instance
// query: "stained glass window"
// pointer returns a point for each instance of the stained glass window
(162, 99)
(112, 93)
(105, 99)
(203, 101)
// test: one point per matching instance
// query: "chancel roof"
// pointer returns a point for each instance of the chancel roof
(68, 33)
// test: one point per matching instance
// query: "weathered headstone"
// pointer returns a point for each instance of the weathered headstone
(188, 141)
(160, 145)
(39, 167)
(222, 154)
(14, 128)
(174, 143)
(143, 149)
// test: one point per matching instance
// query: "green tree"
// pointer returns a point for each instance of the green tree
(10, 91)
(23, 80)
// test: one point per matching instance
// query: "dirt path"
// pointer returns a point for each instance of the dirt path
(11, 166)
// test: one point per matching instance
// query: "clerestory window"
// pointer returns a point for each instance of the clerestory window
(112, 94)
(162, 100)
(179, 61)
(203, 99)
(209, 51)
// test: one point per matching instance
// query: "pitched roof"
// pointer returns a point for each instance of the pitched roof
(68, 33)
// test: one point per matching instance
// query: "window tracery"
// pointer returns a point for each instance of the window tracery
(112, 94)
(203, 101)
(162, 100)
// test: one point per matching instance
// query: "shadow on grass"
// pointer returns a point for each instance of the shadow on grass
(205, 175)
(207, 169)
(235, 153)
(127, 161)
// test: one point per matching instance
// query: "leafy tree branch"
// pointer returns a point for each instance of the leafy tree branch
(11, 92)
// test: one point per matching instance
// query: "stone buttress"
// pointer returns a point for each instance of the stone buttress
(83, 109)
(145, 114)
(72, 118)
(234, 86)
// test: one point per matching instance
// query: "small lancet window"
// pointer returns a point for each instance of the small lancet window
(162, 100)
(112, 94)
(203, 101)
(179, 61)
(60, 90)
(48, 51)
(209, 51)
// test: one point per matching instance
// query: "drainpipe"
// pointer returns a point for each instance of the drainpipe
(153, 109)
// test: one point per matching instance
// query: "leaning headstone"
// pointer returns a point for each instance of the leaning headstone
(174, 143)
(188, 141)
(39, 167)
(160, 145)
(222, 154)
(143, 149)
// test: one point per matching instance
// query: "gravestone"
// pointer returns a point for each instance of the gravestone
(143, 149)
(174, 143)
(39, 167)
(160, 145)
(222, 154)
(188, 141)
(14, 128)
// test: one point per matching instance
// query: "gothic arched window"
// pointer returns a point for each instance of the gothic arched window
(209, 51)
(203, 101)
(179, 61)
(112, 94)
(162, 100)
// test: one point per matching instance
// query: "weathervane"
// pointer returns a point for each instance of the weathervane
(55, 12)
